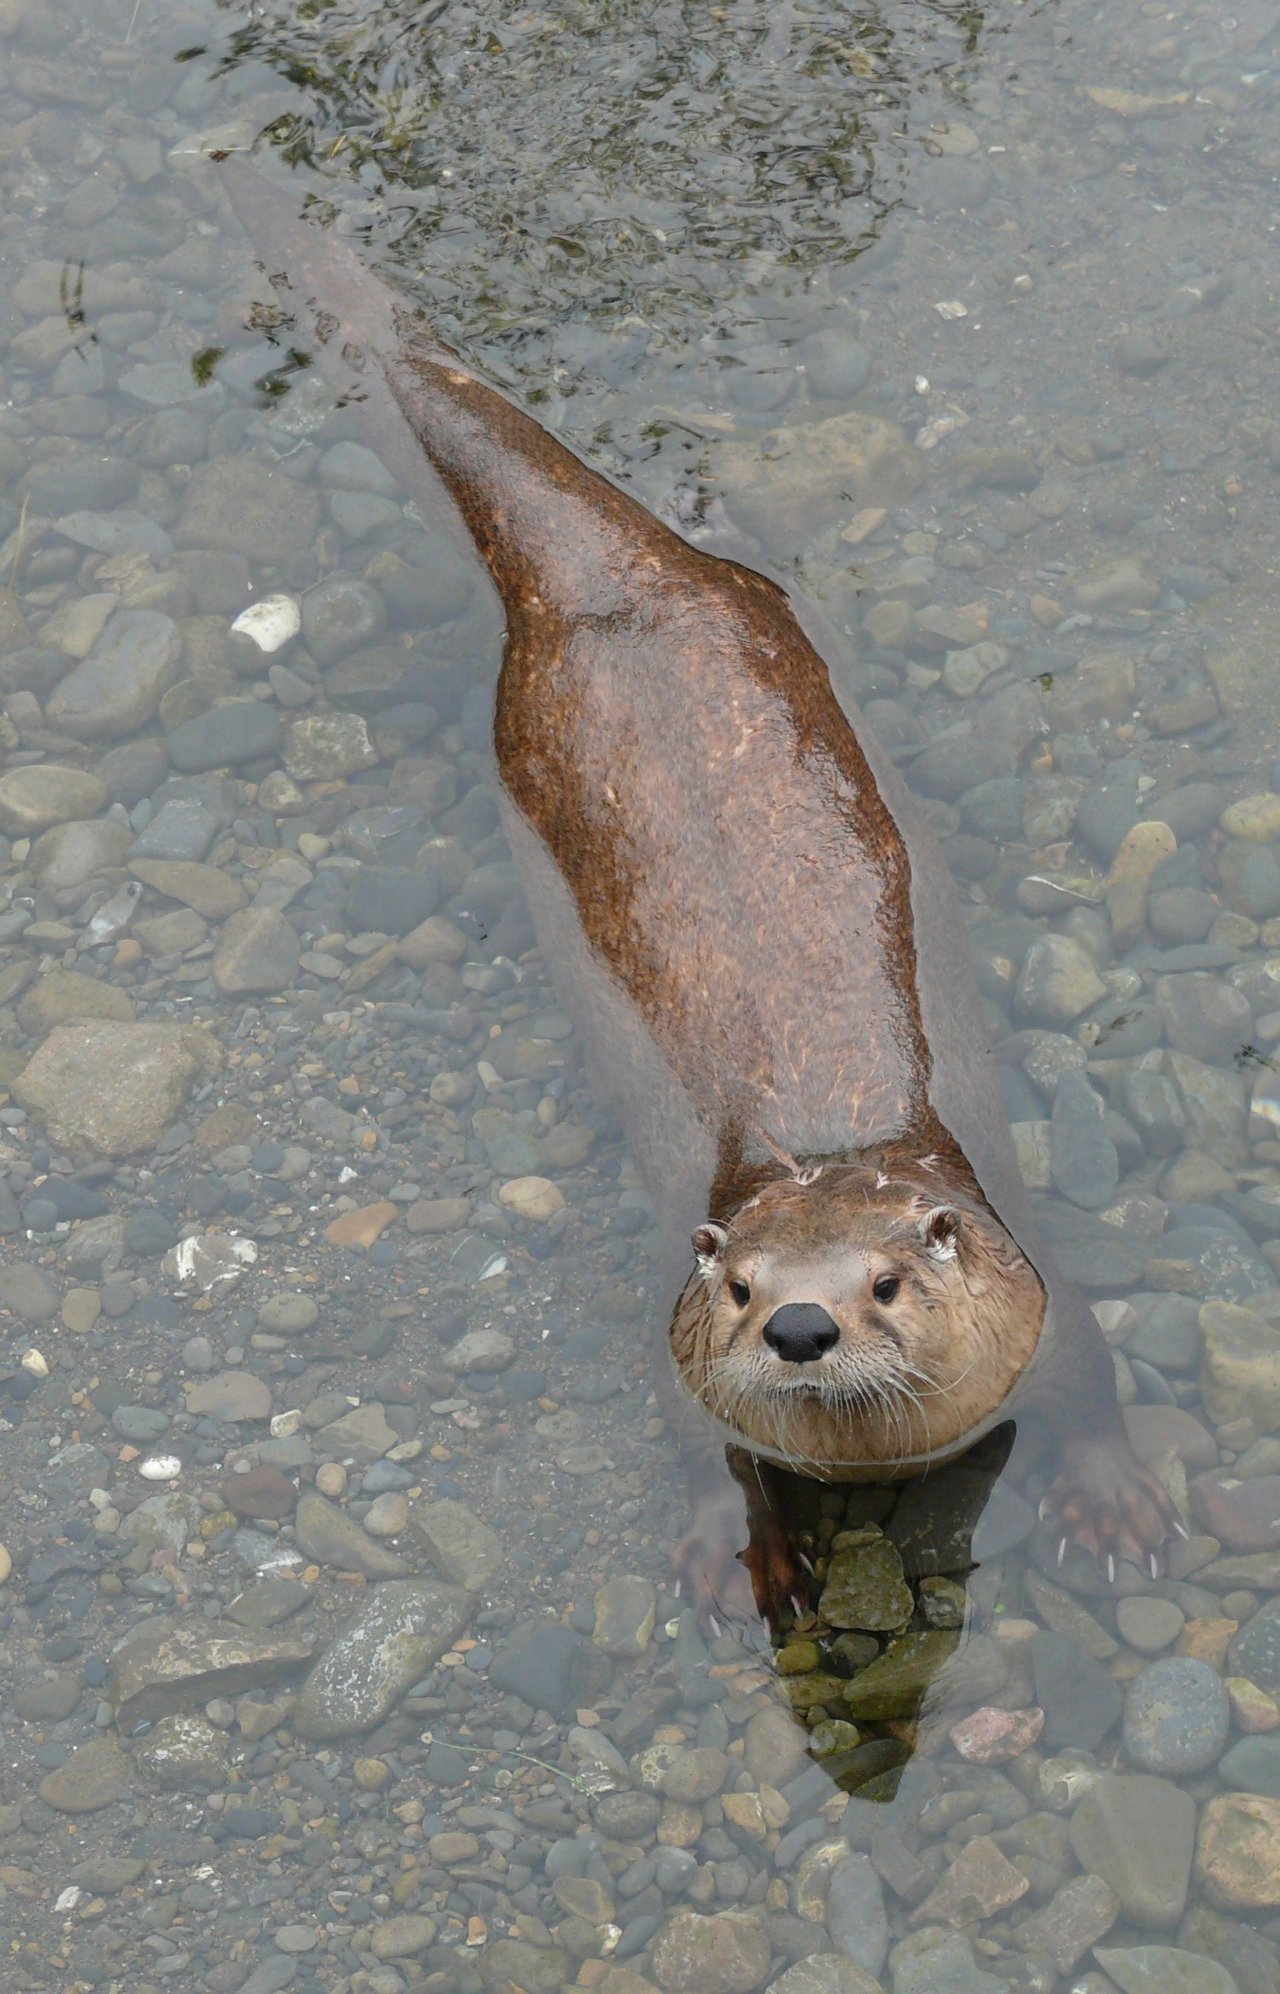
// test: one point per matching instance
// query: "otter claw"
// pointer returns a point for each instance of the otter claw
(805, 1562)
(1043, 1510)
(676, 1588)
(1111, 1569)
(1062, 1549)
(715, 1625)
(1154, 1564)
(1182, 1530)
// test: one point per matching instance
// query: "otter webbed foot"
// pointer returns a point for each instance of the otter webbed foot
(705, 1567)
(769, 1578)
(1104, 1500)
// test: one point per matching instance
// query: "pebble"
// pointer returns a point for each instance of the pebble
(865, 1588)
(1255, 1650)
(1252, 1765)
(1238, 1852)
(726, 1952)
(240, 506)
(1083, 1160)
(240, 730)
(111, 1089)
(1176, 1717)
(95, 1775)
(117, 688)
(403, 1627)
(257, 950)
(34, 798)
(534, 1198)
(1138, 1832)
(1148, 1623)
(855, 1915)
(1058, 982)
(625, 1610)
(1163, 1970)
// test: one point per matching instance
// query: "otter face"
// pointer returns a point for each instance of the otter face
(855, 1319)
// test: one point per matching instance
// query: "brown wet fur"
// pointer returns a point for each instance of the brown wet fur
(724, 887)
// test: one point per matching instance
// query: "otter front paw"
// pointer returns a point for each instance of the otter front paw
(768, 1578)
(1104, 1500)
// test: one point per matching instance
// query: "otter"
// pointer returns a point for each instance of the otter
(758, 938)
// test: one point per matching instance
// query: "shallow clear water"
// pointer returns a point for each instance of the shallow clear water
(962, 323)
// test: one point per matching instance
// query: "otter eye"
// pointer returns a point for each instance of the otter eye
(886, 1287)
(740, 1293)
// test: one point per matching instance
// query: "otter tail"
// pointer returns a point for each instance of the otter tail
(551, 530)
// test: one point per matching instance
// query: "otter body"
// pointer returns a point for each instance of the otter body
(759, 942)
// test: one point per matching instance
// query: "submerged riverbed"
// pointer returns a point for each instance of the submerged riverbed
(336, 1649)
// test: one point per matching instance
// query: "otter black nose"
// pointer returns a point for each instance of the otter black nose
(800, 1331)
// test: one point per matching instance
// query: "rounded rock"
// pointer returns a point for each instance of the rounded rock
(726, 1953)
(1176, 1717)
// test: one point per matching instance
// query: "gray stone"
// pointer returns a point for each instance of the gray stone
(934, 1961)
(624, 1609)
(257, 949)
(1255, 1650)
(1148, 1623)
(1079, 1698)
(170, 1521)
(184, 1752)
(1059, 981)
(323, 747)
(28, 1293)
(1216, 1106)
(110, 1089)
(1176, 1716)
(402, 1937)
(288, 1314)
(865, 1588)
(481, 1350)
(857, 1922)
(460, 1546)
(399, 1632)
(1076, 1917)
(165, 1665)
(551, 1668)
(333, 1537)
(340, 615)
(1083, 1160)
(726, 1952)
(242, 507)
(95, 1775)
(117, 688)
(35, 797)
(824, 1973)
(1204, 1016)
(229, 1396)
(1253, 1766)
(239, 731)
(182, 829)
(1139, 1833)
(1163, 1970)
(68, 854)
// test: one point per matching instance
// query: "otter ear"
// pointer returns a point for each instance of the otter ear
(940, 1231)
(709, 1242)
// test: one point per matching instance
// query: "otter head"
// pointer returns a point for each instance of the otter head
(847, 1318)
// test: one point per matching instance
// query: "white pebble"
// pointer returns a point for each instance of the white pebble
(35, 1362)
(160, 1468)
(271, 623)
